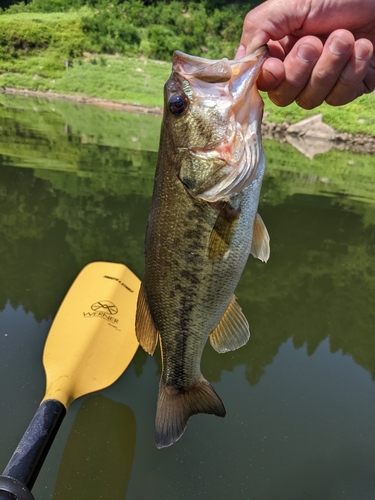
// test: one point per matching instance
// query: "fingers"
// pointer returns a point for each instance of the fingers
(311, 73)
(356, 78)
(336, 54)
(272, 20)
(272, 75)
(298, 66)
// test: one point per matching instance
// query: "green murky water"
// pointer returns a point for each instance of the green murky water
(75, 187)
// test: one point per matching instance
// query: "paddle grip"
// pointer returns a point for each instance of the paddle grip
(27, 460)
(11, 489)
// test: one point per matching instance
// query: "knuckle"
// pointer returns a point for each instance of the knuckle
(323, 77)
(280, 99)
(333, 100)
(306, 103)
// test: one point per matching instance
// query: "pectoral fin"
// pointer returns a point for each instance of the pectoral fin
(222, 233)
(260, 245)
(232, 332)
(145, 329)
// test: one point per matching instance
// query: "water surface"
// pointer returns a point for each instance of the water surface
(75, 187)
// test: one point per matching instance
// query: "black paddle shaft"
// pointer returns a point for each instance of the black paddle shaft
(27, 460)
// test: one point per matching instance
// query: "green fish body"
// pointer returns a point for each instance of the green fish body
(202, 226)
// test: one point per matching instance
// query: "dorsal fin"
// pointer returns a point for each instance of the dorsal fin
(145, 329)
(232, 331)
(260, 244)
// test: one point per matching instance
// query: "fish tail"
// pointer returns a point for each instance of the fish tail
(175, 407)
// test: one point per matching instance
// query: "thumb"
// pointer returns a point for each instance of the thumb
(254, 44)
(271, 20)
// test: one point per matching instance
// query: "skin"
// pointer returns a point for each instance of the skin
(321, 50)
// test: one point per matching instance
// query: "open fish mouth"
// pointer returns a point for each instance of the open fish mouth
(229, 86)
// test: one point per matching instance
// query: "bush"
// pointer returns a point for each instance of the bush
(149, 27)
(106, 32)
(43, 6)
(162, 42)
(26, 33)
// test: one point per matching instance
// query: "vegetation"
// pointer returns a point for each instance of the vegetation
(131, 28)
(137, 81)
(357, 117)
(121, 50)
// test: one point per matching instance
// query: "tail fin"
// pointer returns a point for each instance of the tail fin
(174, 408)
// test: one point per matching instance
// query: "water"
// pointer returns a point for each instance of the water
(75, 186)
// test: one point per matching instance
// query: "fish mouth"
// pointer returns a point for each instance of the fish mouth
(230, 84)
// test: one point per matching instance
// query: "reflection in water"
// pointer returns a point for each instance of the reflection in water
(101, 442)
(319, 281)
(77, 193)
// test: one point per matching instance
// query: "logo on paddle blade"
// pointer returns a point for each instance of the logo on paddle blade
(105, 305)
(104, 309)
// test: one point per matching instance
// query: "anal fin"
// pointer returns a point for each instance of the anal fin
(260, 244)
(145, 329)
(232, 332)
(175, 407)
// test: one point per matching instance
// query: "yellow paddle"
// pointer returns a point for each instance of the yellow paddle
(90, 344)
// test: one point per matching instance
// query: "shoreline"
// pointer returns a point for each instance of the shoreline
(358, 143)
(97, 101)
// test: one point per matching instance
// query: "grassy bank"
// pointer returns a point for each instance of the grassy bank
(140, 81)
(48, 52)
(118, 78)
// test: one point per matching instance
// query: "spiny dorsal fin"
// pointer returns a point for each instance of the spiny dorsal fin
(145, 329)
(175, 407)
(232, 331)
(260, 245)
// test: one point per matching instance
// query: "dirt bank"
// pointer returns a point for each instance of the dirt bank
(105, 103)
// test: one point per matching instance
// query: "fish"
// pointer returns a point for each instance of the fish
(202, 225)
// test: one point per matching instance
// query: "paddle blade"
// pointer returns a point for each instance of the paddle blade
(92, 338)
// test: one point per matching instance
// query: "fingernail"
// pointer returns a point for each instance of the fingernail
(362, 52)
(307, 53)
(269, 77)
(241, 51)
(338, 46)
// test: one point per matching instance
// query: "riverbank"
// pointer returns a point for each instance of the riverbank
(97, 101)
(311, 138)
(315, 139)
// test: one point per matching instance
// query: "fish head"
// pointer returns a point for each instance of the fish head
(212, 117)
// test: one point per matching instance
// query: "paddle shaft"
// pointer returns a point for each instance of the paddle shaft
(27, 460)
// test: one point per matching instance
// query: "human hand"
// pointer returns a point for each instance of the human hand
(319, 50)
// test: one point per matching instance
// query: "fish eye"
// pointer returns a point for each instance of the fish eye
(177, 104)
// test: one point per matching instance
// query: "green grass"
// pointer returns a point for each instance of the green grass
(357, 117)
(109, 77)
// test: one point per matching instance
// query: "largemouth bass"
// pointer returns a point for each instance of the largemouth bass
(202, 226)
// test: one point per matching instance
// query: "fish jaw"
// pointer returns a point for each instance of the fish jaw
(222, 162)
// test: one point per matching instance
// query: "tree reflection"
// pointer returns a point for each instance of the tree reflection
(90, 202)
